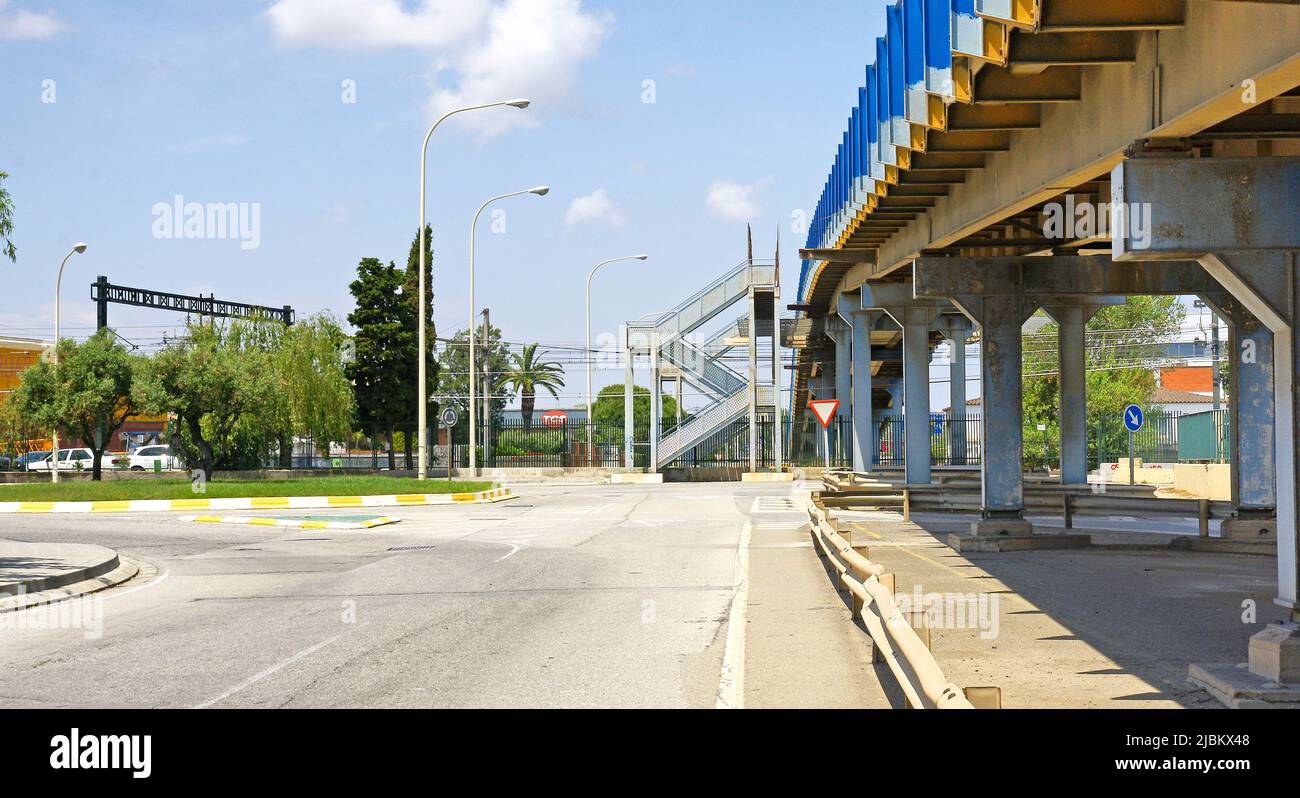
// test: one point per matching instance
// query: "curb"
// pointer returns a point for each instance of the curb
(291, 523)
(260, 503)
(87, 584)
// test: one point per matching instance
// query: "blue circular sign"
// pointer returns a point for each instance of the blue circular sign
(1133, 418)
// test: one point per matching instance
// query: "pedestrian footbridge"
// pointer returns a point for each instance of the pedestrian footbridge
(1006, 156)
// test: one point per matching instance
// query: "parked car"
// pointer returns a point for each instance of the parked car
(69, 460)
(24, 462)
(144, 458)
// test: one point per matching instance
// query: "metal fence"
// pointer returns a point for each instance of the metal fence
(954, 440)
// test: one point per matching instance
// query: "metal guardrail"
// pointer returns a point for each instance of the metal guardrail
(894, 640)
(849, 488)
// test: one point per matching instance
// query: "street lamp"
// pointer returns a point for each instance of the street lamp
(423, 390)
(540, 191)
(78, 248)
(590, 417)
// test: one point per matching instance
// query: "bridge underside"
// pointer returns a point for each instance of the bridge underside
(1185, 114)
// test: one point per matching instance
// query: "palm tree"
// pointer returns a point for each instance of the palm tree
(529, 372)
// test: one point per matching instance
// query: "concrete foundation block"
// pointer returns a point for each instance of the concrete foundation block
(1262, 548)
(1263, 529)
(1001, 527)
(1238, 688)
(767, 476)
(636, 479)
(1000, 543)
(1275, 653)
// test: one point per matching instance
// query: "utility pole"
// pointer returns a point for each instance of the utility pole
(1214, 355)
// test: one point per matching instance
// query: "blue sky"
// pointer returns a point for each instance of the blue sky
(243, 102)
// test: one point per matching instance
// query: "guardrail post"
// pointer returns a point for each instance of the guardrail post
(907, 504)
(984, 697)
(922, 628)
(1068, 501)
(1203, 514)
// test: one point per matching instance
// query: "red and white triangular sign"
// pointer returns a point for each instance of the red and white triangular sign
(824, 409)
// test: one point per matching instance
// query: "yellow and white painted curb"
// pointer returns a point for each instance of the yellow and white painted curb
(260, 503)
(291, 523)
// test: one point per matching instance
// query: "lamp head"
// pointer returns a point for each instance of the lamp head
(79, 247)
(540, 191)
(642, 257)
(519, 103)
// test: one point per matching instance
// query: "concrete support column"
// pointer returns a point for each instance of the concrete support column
(1251, 412)
(1268, 284)
(1002, 391)
(956, 329)
(815, 387)
(863, 430)
(916, 397)
(843, 369)
(1072, 384)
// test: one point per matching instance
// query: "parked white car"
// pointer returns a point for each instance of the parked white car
(144, 458)
(69, 460)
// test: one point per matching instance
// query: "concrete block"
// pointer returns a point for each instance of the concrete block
(1001, 543)
(767, 476)
(1001, 527)
(636, 479)
(1275, 653)
(1238, 688)
(1263, 548)
(1261, 529)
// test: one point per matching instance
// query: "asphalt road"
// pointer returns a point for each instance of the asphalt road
(570, 596)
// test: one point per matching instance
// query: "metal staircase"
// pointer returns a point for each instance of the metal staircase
(667, 340)
(701, 370)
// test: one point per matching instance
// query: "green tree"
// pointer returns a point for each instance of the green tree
(383, 345)
(527, 373)
(608, 410)
(453, 377)
(308, 361)
(18, 431)
(221, 387)
(6, 222)
(411, 296)
(1125, 345)
(86, 396)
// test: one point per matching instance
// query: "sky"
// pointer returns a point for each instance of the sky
(661, 127)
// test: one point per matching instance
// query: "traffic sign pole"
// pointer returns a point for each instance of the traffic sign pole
(1131, 468)
(824, 410)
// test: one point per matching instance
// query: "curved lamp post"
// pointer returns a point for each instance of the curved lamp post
(423, 389)
(540, 191)
(78, 248)
(591, 420)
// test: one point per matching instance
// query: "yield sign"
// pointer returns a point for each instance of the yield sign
(824, 409)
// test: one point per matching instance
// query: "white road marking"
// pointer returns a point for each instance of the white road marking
(260, 675)
(731, 682)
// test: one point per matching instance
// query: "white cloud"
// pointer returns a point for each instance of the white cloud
(594, 207)
(24, 24)
(369, 24)
(485, 50)
(735, 202)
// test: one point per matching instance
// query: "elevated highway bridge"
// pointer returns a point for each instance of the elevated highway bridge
(1003, 156)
